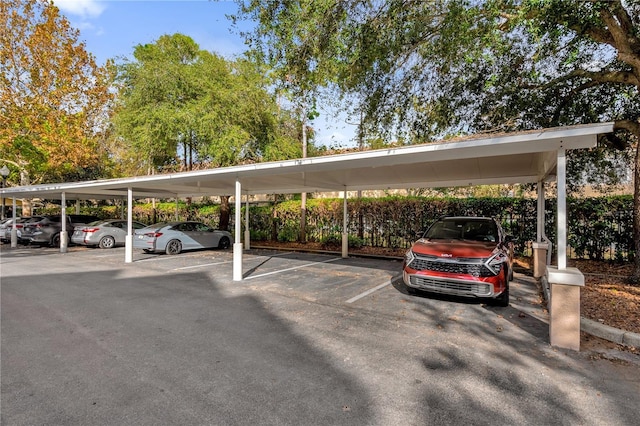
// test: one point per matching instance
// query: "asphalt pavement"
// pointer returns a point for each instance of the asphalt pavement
(303, 339)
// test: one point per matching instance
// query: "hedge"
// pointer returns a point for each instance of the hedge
(598, 228)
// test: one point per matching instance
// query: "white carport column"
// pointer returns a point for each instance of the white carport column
(345, 231)
(14, 230)
(237, 245)
(64, 236)
(564, 306)
(247, 234)
(540, 246)
(128, 240)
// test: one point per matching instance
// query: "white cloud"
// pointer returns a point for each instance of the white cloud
(82, 8)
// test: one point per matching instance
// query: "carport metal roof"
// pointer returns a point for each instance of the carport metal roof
(523, 157)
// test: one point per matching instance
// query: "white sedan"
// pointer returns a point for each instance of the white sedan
(174, 237)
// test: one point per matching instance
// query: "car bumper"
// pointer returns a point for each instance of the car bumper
(453, 284)
(35, 238)
(79, 240)
(143, 243)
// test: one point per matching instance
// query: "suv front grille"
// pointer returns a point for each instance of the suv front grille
(462, 288)
(474, 267)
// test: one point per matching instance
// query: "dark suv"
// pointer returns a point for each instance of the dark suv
(46, 231)
(463, 256)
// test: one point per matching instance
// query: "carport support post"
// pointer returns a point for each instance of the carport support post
(247, 235)
(564, 306)
(63, 233)
(345, 232)
(14, 230)
(237, 245)
(540, 248)
(128, 240)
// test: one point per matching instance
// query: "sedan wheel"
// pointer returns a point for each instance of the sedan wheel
(173, 247)
(224, 243)
(107, 242)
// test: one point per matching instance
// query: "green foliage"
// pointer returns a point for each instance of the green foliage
(598, 228)
(182, 107)
(334, 241)
(54, 99)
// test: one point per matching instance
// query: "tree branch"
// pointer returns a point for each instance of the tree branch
(597, 77)
(621, 126)
(628, 125)
(625, 42)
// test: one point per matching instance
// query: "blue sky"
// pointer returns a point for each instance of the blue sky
(111, 28)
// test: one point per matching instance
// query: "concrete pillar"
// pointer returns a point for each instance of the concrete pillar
(540, 213)
(64, 236)
(14, 230)
(237, 245)
(562, 209)
(565, 283)
(564, 307)
(345, 231)
(247, 233)
(539, 259)
(128, 240)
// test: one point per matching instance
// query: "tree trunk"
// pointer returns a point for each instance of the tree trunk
(225, 212)
(635, 275)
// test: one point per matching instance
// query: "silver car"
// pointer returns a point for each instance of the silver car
(103, 233)
(174, 237)
(7, 226)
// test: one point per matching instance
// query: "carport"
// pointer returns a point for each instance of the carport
(537, 156)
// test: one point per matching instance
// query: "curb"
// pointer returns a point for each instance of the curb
(609, 333)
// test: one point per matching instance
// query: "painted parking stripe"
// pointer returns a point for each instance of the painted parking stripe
(202, 266)
(271, 255)
(291, 269)
(372, 290)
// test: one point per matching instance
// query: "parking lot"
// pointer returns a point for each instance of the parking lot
(303, 339)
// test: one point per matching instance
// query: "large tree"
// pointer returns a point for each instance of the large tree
(54, 100)
(181, 107)
(424, 70)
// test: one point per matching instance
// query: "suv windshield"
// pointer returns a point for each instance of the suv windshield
(463, 229)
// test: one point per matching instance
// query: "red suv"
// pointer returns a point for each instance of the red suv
(463, 256)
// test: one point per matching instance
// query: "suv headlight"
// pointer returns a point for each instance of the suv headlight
(494, 263)
(409, 257)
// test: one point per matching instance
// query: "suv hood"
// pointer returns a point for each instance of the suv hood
(454, 248)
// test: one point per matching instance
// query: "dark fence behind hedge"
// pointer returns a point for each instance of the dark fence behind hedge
(598, 228)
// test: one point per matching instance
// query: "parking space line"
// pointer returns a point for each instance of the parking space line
(371, 290)
(271, 255)
(202, 266)
(291, 269)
